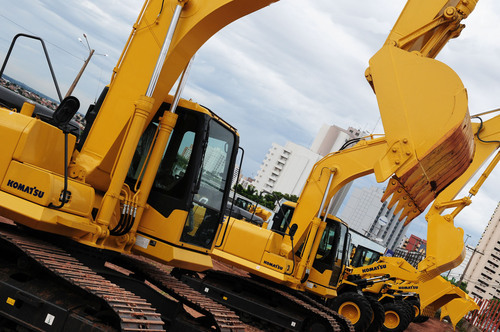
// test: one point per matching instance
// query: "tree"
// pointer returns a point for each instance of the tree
(265, 199)
(463, 285)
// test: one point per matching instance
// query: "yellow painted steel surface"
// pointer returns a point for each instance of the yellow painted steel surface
(458, 308)
(438, 292)
(39, 186)
(351, 311)
(42, 145)
(257, 269)
(239, 244)
(46, 219)
(174, 256)
(31, 141)
(391, 320)
(411, 90)
(394, 266)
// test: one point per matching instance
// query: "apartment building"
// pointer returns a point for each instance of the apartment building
(483, 273)
(286, 168)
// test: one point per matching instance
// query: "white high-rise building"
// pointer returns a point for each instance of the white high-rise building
(482, 274)
(365, 213)
(332, 138)
(286, 168)
(362, 207)
(387, 229)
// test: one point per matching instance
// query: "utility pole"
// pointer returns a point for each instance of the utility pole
(77, 78)
(467, 266)
(465, 244)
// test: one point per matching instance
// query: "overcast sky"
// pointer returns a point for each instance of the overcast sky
(276, 75)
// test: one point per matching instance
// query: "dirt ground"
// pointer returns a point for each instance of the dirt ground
(432, 325)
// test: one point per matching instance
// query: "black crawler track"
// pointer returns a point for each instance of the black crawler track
(309, 313)
(131, 310)
(223, 318)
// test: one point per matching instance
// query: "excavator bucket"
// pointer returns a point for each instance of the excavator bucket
(438, 292)
(458, 308)
(423, 105)
(445, 247)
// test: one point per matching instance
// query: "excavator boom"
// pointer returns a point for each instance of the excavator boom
(135, 71)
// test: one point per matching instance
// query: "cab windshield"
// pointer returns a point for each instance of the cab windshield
(214, 178)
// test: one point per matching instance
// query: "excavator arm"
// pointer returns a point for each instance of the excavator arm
(423, 106)
(428, 139)
(426, 26)
(446, 252)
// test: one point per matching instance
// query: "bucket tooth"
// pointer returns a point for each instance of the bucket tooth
(397, 196)
(403, 201)
(410, 213)
(391, 188)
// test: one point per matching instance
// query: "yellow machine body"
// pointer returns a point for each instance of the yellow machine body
(111, 183)
(33, 177)
(433, 294)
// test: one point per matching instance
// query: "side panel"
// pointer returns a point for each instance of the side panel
(246, 240)
(41, 187)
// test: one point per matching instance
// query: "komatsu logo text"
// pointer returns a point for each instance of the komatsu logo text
(276, 266)
(375, 268)
(25, 189)
(408, 287)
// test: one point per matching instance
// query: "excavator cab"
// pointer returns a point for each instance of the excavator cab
(332, 254)
(192, 184)
(364, 256)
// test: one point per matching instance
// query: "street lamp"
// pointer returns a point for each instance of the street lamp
(85, 63)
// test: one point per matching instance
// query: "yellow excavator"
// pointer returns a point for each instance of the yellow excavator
(375, 276)
(436, 292)
(423, 157)
(150, 174)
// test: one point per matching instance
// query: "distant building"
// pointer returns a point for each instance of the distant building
(358, 239)
(482, 275)
(236, 176)
(365, 213)
(286, 168)
(215, 160)
(415, 243)
(386, 227)
(362, 208)
(245, 182)
(412, 257)
(332, 138)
